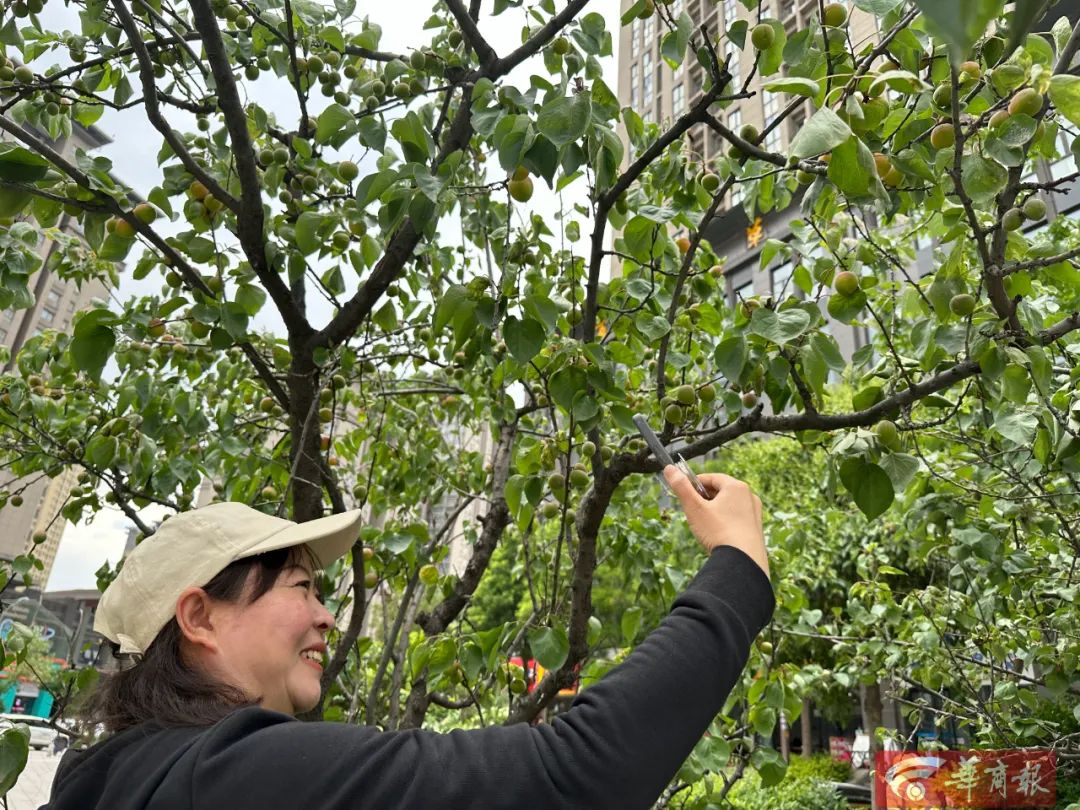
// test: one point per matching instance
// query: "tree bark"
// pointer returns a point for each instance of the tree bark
(807, 722)
(871, 720)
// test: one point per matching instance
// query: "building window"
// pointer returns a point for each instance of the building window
(734, 120)
(1064, 165)
(635, 37)
(782, 285)
(633, 87)
(769, 107)
(678, 99)
(773, 142)
(650, 31)
(3, 335)
(647, 116)
(47, 315)
(732, 50)
(647, 79)
(742, 292)
(52, 297)
(8, 315)
(731, 13)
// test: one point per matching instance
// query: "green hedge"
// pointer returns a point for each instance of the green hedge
(818, 766)
(790, 794)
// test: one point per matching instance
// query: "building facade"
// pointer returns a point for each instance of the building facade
(56, 301)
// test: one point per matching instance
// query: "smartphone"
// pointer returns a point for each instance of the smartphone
(664, 457)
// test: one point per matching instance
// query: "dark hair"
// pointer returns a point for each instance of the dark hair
(164, 689)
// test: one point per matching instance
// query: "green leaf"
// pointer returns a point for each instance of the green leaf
(524, 338)
(251, 297)
(846, 308)
(455, 297)
(982, 178)
(852, 167)
(565, 384)
(779, 327)
(794, 85)
(730, 357)
(868, 484)
(331, 121)
(93, 341)
(822, 133)
(673, 46)
(14, 750)
(769, 765)
(18, 165)
(549, 646)
(629, 624)
(1017, 426)
(879, 8)
(1065, 96)
(564, 119)
(959, 22)
(307, 232)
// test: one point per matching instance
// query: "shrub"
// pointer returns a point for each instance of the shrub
(790, 794)
(818, 766)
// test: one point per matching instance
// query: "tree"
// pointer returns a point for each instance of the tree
(495, 367)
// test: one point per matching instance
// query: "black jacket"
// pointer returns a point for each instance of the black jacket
(617, 747)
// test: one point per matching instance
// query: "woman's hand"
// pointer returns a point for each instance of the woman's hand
(731, 518)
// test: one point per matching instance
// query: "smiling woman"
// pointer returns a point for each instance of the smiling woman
(220, 610)
(167, 686)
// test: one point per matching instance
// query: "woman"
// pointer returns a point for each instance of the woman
(220, 605)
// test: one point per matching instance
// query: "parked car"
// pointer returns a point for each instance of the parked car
(42, 734)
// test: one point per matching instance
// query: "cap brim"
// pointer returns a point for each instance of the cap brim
(328, 537)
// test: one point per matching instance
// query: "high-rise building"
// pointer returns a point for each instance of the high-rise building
(56, 301)
(658, 93)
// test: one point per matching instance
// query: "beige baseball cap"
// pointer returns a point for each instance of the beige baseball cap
(191, 548)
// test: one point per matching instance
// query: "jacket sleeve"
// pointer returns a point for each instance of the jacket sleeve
(618, 746)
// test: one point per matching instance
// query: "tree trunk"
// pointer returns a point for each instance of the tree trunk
(785, 738)
(807, 724)
(305, 478)
(871, 720)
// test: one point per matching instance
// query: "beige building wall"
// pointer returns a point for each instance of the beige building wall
(659, 94)
(56, 301)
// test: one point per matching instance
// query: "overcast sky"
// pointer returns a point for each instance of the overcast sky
(133, 151)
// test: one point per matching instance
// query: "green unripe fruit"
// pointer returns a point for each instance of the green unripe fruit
(417, 60)
(454, 38)
(999, 118)
(1012, 219)
(401, 90)
(378, 88)
(550, 509)
(266, 156)
(360, 493)
(962, 305)
(749, 399)
(579, 478)
(281, 155)
(836, 14)
(887, 434)
(429, 575)
(763, 36)
(588, 449)
(315, 64)
(846, 283)
(561, 46)
(685, 395)
(557, 484)
(673, 414)
(943, 96)
(1034, 208)
(707, 393)
(371, 579)
(805, 178)
(749, 132)
(710, 182)
(23, 74)
(251, 72)
(348, 170)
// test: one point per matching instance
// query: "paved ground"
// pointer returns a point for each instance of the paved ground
(32, 789)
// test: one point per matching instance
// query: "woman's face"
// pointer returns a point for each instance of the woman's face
(274, 647)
